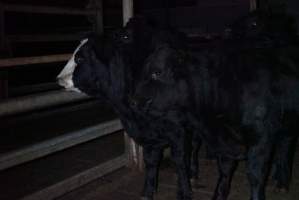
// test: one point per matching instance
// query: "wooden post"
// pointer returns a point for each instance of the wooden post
(133, 150)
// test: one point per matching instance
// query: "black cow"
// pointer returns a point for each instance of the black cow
(238, 99)
(263, 29)
(105, 67)
(278, 31)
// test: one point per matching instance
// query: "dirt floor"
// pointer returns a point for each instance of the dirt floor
(126, 184)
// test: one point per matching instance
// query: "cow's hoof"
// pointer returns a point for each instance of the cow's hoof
(196, 184)
(194, 180)
(281, 190)
(146, 198)
(184, 197)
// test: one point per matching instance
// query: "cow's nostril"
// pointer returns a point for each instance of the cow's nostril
(133, 102)
(141, 103)
(148, 102)
(61, 82)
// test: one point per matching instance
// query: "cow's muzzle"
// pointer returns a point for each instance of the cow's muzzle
(140, 103)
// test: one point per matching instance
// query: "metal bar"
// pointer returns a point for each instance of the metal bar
(78, 180)
(3, 85)
(29, 89)
(253, 5)
(99, 25)
(33, 102)
(2, 27)
(133, 150)
(63, 109)
(46, 10)
(127, 10)
(39, 150)
(9, 62)
(44, 38)
(3, 75)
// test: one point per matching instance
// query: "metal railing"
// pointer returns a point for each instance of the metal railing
(26, 104)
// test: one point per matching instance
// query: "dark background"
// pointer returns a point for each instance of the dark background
(201, 17)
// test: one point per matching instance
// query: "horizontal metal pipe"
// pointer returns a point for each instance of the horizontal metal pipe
(9, 62)
(78, 180)
(46, 10)
(35, 88)
(50, 146)
(38, 101)
(44, 38)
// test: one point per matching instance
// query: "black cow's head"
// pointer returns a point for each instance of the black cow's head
(65, 77)
(162, 86)
(87, 70)
(105, 64)
(264, 28)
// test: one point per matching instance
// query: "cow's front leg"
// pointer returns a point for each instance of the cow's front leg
(180, 157)
(226, 168)
(194, 170)
(152, 157)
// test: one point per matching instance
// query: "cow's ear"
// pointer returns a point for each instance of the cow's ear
(182, 60)
(182, 56)
(177, 64)
(179, 58)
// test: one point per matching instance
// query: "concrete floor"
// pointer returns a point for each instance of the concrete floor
(126, 184)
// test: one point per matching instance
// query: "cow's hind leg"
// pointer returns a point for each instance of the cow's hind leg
(152, 157)
(226, 168)
(258, 167)
(283, 162)
(196, 144)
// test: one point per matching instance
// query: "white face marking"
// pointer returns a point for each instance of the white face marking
(65, 77)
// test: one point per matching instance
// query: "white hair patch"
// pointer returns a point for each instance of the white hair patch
(65, 77)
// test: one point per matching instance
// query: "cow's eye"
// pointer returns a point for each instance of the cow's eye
(253, 24)
(79, 60)
(156, 75)
(125, 37)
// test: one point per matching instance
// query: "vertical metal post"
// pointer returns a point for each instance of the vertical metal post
(2, 27)
(128, 10)
(253, 5)
(99, 26)
(133, 150)
(3, 75)
(95, 7)
(166, 9)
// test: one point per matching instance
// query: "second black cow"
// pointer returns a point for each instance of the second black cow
(241, 100)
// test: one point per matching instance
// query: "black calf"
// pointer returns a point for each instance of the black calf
(236, 94)
(107, 67)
